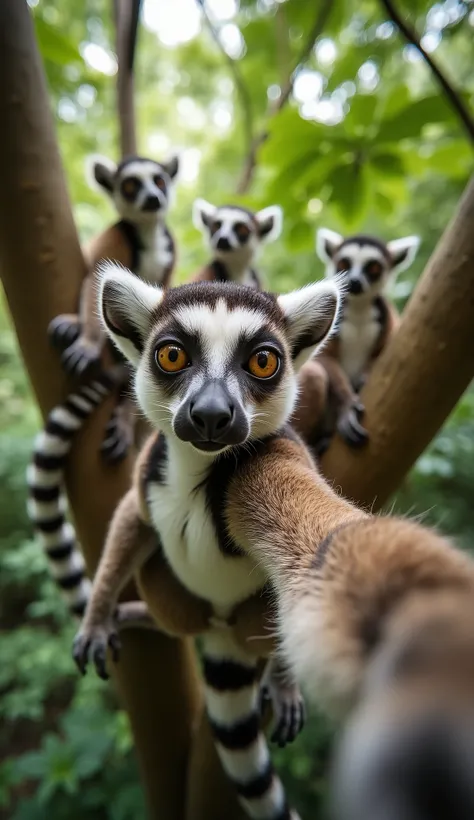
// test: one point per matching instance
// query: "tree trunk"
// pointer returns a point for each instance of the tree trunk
(419, 378)
(42, 269)
(126, 14)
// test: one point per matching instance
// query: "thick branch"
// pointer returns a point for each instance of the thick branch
(450, 92)
(250, 162)
(420, 377)
(42, 270)
(237, 76)
(126, 14)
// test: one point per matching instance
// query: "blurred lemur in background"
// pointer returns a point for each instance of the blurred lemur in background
(234, 236)
(141, 190)
(329, 385)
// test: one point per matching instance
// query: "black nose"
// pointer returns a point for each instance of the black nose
(212, 413)
(152, 203)
(355, 286)
(223, 244)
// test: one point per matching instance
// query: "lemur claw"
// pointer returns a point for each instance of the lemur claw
(81, 359)
(92, 644)
(350, 428)
(118, 439)
(287, 703)
(63, 331)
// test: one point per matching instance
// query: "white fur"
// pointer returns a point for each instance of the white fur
(310, 308)
(358, 333)
(272, 214)
(156, 257)
(327, 240)
(202, 210)
(408, 245)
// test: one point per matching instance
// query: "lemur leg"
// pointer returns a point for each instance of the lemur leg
(82, 357)
(119, 431)
(280, 688)
(231, 696)
(346, 404)
(129, 543)
(63, 330)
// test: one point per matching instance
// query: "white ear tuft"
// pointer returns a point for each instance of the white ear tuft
(311, 314)
(126, 305)
(403, 252)
(203, 214)
(171, 166)
(100, 172)
(269, 222)
(327, 243)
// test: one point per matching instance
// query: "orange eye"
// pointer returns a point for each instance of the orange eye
(343, 265)
(373, 270)
(159, 182)
(130, 187)
(172, 358)
(242, 230)
(263, 364)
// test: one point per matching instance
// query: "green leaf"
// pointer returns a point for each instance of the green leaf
(349, 191)
(54, 45)
(409, 121)
(387, 163)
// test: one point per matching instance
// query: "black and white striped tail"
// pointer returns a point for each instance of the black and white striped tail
(47, 503)
(231, 695)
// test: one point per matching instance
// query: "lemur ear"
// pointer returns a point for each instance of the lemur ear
(403, 252)
(126, 306)
(171, 167)
(327, 243)
(269, 223)
(203, 214)
(310, 314)
(101, 172)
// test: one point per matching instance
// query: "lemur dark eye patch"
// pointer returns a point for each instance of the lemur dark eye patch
(215, 226)
(343, 264)
(373, 270)
(242, 230)
(159, 182)
(130, 187)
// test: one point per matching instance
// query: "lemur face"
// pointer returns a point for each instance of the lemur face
(366, 263)
(215, 363)
(140, 188)
(231, 230)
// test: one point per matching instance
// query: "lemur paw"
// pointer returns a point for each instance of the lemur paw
(287, 702)
(350, 427)
(63, 331)
(81, 359)
(91, 644)
(118, 439)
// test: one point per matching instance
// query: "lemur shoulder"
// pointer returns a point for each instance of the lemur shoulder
(216, 375)
(141, 190)
(330, 386)
(235, 235)
(375, 619)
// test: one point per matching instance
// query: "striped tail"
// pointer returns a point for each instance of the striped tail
(231, 695)
(47, 503)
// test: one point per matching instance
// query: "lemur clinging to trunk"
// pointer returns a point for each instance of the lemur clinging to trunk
(376, 621)
(235, 236)
(216, 377)
(330, 385)
(141, 190)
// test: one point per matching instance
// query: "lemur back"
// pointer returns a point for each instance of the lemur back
(234, 235)
(215, 375)
(329, 387)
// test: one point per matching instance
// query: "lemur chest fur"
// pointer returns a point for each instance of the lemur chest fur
(178, 497)
(156, 253)
(359, 331)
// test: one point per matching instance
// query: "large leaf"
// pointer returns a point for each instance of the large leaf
(349, 184)
(409, 122)
(54, 45)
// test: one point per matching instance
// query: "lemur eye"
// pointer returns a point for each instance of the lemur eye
(343, 264)
(159, 182)
(130, 187)
(215, 226)
(263, 364)
(172, 358)
(373, 270)
(242, 230)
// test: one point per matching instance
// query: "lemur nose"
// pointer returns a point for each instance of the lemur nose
(355, 286)
(212, 413)
(223, 244)
(152, 203)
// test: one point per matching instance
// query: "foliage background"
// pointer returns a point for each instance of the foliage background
(366, 143)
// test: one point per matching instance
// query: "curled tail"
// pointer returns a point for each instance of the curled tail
(47, 504)
(231, 695)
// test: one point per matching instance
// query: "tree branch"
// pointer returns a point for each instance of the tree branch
(126, 15)
(250, 161)
(422, 374)
(238, 79)
(450, 92)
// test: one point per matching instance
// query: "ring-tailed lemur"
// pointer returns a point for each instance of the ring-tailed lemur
(141, 190)
(330, 386)
(215, 375)
(376, 614)
(235, 236)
